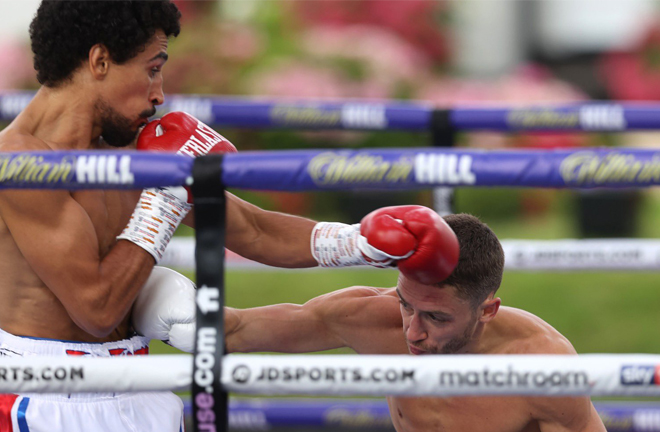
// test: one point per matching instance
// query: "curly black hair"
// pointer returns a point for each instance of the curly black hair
(63, 32)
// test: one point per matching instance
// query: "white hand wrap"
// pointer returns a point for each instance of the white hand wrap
(155, 218)
(341, 245)
(165, 309)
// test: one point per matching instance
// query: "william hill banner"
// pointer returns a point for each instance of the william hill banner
(338, 170)
(412, 169)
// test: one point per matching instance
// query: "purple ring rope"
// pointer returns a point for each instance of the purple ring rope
(339, 170)
(414, 169)
(92, 170)
(392, 115)
(263, 414)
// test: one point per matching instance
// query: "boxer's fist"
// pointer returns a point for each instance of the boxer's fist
(416, 238)
(179, 132)
(165, 309)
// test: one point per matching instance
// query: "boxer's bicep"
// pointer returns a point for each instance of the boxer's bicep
(360, 316)
(288, 328)
(53, 233)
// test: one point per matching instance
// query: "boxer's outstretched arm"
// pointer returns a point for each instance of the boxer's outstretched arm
(563, 414)
(568, 415)
(56, 237)
(352, 317)
(270, 238)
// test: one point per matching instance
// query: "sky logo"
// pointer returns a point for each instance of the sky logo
(640, 375)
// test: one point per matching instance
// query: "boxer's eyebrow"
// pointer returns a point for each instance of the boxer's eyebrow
(400, 296)
(438, 314)
(160, 55)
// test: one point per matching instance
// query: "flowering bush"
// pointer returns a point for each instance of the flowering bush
(420, 23)
(635, 74)
(17, 70)
(528, 85)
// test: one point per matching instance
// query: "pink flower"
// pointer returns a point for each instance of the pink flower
(240, 43)
(298, 80)
(384, 56)
(527, 86)
(17, 70)
(635, 75)
(416, 21)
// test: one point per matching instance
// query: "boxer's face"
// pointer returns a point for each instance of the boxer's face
(131, 92)
(435, 320)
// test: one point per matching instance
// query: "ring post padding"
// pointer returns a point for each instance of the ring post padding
(209, 398)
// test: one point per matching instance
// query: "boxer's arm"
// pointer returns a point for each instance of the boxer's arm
(58, 240)
(562, 414)
(271, 238)
(568, 415)
(350, 318)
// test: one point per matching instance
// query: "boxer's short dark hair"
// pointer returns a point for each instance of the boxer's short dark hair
(63, 32)
(481, 259)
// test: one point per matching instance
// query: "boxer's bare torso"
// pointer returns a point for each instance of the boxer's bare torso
(64, 275)
(512, 331)
(27, 306)
(370, 321)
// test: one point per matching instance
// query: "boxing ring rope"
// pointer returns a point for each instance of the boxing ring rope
(375, 415)
(347, 375)
(520, 255)
(381, 115)
(442, 124)
(307, 170)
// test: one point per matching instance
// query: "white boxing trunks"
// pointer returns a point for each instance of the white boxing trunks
(85, 412)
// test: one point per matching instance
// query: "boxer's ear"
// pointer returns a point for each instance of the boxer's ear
(98, 61)
(488, 309)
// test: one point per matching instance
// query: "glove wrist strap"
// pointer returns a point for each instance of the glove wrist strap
(341, 245)
(155, 218)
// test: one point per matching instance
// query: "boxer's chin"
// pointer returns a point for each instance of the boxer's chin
(116, 130)
(117, 137)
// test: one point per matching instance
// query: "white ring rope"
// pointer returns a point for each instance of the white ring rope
(374, 375)
(79, 374)
(531, 255)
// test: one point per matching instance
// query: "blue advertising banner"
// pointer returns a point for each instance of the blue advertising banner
(391, 115)
(339, 170)
(412, 169)
(92, 170)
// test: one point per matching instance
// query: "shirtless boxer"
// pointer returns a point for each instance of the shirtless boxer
(67, 283)
(458, 316)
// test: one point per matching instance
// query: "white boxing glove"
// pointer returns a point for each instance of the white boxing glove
(165, 309)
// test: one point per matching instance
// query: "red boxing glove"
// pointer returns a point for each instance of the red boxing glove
(427, 245)
(179, 132)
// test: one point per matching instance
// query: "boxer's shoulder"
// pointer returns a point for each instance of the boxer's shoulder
(358, 305)
(520, 332)
(13, 140)
(360, 296)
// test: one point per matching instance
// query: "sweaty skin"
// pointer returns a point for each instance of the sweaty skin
(371, 320)
(64, 274)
